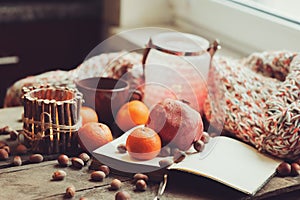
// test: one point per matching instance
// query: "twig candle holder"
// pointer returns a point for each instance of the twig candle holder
(51, 119)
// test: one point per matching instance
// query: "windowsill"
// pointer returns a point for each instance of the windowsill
(138, 38)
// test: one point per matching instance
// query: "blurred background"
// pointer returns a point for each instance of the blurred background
(39, 36)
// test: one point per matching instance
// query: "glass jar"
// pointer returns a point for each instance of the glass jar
(176, 66)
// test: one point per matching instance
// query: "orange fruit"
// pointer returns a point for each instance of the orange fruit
(143, 143)
(131, 114)
(88, 115)
(93, 135)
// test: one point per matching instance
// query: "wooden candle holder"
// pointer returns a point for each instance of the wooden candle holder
(51, 119)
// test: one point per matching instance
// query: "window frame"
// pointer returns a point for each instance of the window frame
(250, 30)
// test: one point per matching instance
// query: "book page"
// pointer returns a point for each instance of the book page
(232, 163)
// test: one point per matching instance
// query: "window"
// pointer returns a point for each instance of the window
(285, 9)
(240, 26)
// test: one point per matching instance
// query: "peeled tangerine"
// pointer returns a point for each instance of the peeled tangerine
(177, 124)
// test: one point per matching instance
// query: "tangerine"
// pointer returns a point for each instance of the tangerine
(131, 114)
(93, 135)
(88, 115)
(143, 143)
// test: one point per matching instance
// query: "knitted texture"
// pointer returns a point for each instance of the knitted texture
(257, 100)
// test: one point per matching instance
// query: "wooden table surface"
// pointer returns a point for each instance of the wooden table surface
(34, 181)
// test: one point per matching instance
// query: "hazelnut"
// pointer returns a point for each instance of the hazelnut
(5, 130)
(17, 161)
(115, 184)
(174, 151)
(165, 162)
(179, 156)
(165, 151)
(105, 169)
(63, 160)
(2, 144)
(13, 135)
(21, 149)
(36, 158)
(122, 148)
(199, 145)
(70, 192)
(140, 176)
(295, 169)
(59, 175)
(205, 137)
(141, 185)
(97, 175)
(3, 154)
(77, 163)
(6, 148)
(122, 195)
(84, 157)
(284, 169)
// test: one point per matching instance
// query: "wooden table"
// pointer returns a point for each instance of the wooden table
(34, 181)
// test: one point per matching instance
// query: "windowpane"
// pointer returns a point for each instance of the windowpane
(286, 9)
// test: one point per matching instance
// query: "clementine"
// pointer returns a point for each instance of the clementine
(88, 115)
(93, 135)
(143, 143)
(131, 114)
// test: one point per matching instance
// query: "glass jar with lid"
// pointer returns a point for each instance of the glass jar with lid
(176, 66)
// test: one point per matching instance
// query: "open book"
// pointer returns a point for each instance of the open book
(224, 159)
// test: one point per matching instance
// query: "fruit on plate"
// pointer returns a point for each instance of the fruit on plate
(93, 135)
(131, 114)
(176, 122)
(143, 143)
(88, 115)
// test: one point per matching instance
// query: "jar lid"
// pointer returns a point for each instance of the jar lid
(181, 44)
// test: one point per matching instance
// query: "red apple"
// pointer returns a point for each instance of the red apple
(177, 124)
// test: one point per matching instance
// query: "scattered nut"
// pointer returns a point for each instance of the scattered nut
(5, 130)
(122, 148)
(6, 148)
(141, 185)
(205, 137)
(84, 157)
(17, 161)
(284, 169)
(122, 195)
(297, 161)
(105, 169)
(179, 156)
(36, 158)
(95, 164)
(140, 176)
(165, 151)
(295, 169)
(59, 175)
(70, 192)
(82, 198)
(115, 184)
(199, 145)
(63, 160)
(2, 144)
(97, 175)
(21, 149)
(165, 162)
(77, 163)
(174, 151)
(13, 135)
(213, 134)
(3, 154)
